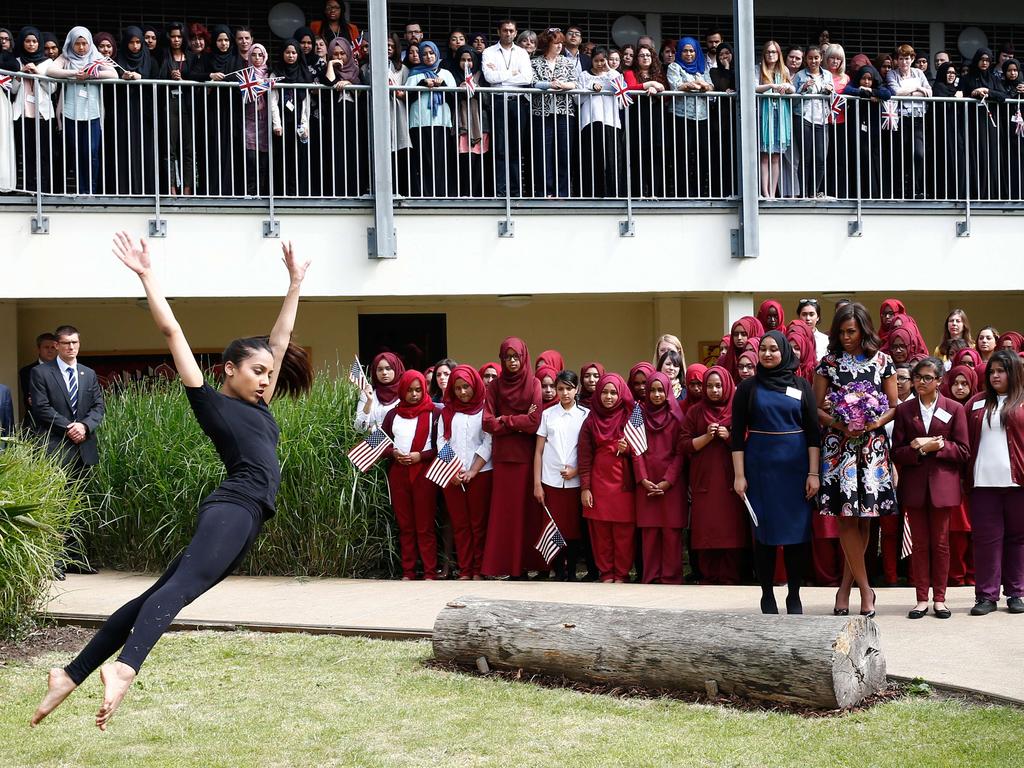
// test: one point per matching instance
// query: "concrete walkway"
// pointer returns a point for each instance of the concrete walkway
(977, 653)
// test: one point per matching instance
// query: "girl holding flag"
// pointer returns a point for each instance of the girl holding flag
(601, 127)
(468, 494)
(606, 479)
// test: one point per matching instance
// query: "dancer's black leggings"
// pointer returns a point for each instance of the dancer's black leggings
(224, 534)
(796, 557)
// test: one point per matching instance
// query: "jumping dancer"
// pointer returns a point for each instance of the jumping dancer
(245, 435)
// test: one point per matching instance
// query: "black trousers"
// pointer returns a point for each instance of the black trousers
(224, 534)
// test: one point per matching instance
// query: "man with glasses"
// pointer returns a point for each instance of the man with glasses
(67, 407)
(46, 351)
(413, 34)
(572, 50)
(506, 65)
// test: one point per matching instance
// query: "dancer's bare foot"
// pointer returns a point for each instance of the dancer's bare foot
(58, 687)
(117, 679)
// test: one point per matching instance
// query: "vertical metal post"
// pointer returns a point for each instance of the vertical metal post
(382, 240)
(157, 226)
(40, 223)
(855, 228)
(271, 227)
(747, 239)
(963, 228)
(627, 228)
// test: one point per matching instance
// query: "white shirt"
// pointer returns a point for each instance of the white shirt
(992, 467)
(927, 411)
(468, 439)
(64, 374)
(365, 422)
(821, 343)
(405, 431)
(506, 66)
(560, 429)
(600, 107)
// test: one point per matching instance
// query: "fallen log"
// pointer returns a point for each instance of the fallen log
(822, 662)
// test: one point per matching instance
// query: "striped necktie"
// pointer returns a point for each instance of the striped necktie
(73, 390)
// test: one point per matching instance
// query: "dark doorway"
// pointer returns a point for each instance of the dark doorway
(420, 340)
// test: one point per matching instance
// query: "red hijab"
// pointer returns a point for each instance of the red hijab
(657, 417)
(453, 405)
(585, 398)
(975, 355)
(547, 370)
(800, 335)
(553, 358)
(730, 357)
(422, 411)
(694, 373)
(1011, 336)
(386, 394)
(918, 347)
(946, 387)
(483, 368)
(607, 423)
(885, 328)
(903, 334)
(513, 392)
(706, 412)
(647, 370)
(762, 314)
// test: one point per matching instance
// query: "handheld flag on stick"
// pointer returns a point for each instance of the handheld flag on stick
(635, 432)
(93, 68)
(356, 375)
(445, 467)
(908, 541)
(252, 86)
(890, 120)
(622, 93)
(837, 106)
(550, 541)
(5, 83)
(468, 80)
(1018, 123)
(366, 453)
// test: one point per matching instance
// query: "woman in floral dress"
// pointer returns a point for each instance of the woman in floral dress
(857, 479)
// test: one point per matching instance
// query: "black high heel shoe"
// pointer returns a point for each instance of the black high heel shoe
(837, 611)
(870, 614)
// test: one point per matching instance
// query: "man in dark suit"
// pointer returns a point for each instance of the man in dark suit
(46, 351)
(67, 407)
(6, 411)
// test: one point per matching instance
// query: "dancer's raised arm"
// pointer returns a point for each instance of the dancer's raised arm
(282, 331)
(136, 258)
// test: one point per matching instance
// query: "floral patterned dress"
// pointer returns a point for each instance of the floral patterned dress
(857, 479)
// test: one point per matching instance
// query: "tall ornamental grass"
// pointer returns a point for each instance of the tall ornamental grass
(156, 465)
(37, 502)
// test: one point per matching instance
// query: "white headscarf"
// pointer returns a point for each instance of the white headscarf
(73, 58)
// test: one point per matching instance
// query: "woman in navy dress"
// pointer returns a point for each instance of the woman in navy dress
(776, 458)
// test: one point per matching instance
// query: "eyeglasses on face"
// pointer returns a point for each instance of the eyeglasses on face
(924, 379)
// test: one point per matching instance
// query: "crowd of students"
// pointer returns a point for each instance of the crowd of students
(828, 126)
(744, 459)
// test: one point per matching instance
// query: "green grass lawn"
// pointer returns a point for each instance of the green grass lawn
(240, 699)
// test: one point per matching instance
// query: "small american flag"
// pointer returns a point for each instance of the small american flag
(1018, 123)
(550, 541)
(468, 80)
(355, 374)
(252, 86)
(445, 467)
(622, 93)
(908, 542)
(837, 106)
(366, 453)
(890, 120)
(634, 431)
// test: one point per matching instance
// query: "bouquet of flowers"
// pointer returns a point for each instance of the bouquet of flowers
(857, 404)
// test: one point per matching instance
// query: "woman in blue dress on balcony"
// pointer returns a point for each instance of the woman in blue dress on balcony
(857, 480)
(776, 458)
(776, 115)
(692, 154)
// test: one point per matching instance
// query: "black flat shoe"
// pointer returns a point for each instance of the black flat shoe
(919, 614)
(944, 613)
(983, 607)
(1015, 605)
(768, 605)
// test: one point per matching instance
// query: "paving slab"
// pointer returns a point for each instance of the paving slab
(977, 653)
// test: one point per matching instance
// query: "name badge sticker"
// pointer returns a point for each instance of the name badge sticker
(978, 405)
(943, 416)
(795, 393)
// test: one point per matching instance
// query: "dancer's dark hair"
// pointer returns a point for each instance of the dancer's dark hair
(295, 376)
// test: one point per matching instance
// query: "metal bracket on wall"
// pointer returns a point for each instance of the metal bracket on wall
(627, 228)
(40, 225)
(271, 228)
(371, 244)
(855, 228)
(734, 242)
(158, 227)
(963, 228)
(506, 228)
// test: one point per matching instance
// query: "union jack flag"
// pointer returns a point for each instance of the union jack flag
(5, 83)
(1018, 123)
(93, 68)
(468, 80)
(622, 93)
(550, 541)
(445, 467)
(355, 374)
(837, 106)
(366, 453)
(890, 118)
(252, 86)
(635, 432)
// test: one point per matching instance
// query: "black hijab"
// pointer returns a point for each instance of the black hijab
(457, 72)
(157, 54)
(876, 80)
(19, 48)
(724, 79)
(976, 78)
(225, 63)
(939, 85)
(140, 62)
(292, 73)
(1011, 85)
(782, 376)
(168, 63)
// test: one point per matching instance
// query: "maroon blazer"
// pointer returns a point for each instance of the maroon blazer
(1014, 426)
(936, 475)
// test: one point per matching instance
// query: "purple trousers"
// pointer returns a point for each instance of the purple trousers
(997, 523)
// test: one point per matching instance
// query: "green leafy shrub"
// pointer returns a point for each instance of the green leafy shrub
(37, 501)
(156, 465)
